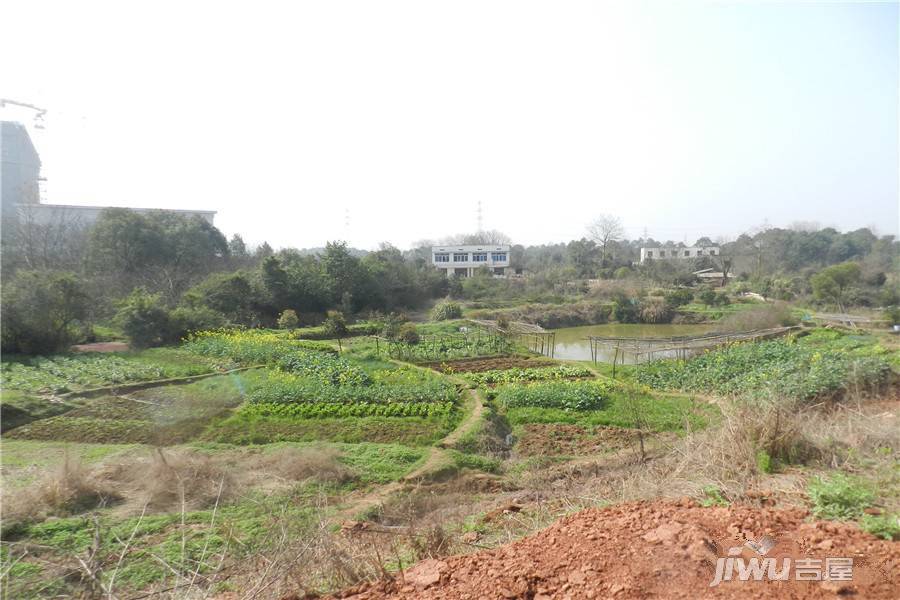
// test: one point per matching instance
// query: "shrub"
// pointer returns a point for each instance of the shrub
(184, 321)
(143, 319)
(707, 297)
(884, 526)
(892, 315)
(656, 311)
(288, 319)
(625, 310)
(839, 497)
(41, 312)
(408, 334)
(446, 310)
(679, 297)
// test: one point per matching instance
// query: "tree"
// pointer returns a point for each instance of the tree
(237, 247)
(164, 251)
(335, 326)
(583, 256)
(41, 311)
(606, 230)
(288, 320)
(144, 319)
(831, 283)
(231, 294)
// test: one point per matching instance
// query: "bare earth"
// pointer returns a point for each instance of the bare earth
(660, 549)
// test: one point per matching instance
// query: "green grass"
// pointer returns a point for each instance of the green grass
(239, 530)
(667, 413)
(840, 496)
(19, 408)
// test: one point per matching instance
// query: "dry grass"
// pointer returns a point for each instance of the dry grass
(765, 316)
(69, 489)
(299, 464)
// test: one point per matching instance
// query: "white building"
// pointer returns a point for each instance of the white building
(674, 252)
(462, 261)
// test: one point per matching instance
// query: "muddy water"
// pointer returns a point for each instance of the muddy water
(572, 343)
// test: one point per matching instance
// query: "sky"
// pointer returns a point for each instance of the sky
(303, 122)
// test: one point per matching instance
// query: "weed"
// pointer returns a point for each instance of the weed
(839, 497)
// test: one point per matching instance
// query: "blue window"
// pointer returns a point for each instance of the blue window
(440, 258)
(479, 257)
(460, 257)
(498, 256)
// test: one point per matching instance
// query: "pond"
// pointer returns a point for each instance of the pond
(572, 343)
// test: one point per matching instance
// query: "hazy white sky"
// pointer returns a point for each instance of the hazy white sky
(291, 118)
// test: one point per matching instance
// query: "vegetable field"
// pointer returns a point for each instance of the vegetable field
(819, 366)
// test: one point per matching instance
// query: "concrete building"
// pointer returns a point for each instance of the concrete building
(20, 170)
(678, 253)
(462, 261)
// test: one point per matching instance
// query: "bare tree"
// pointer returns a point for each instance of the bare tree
(491, 236)
(605, 231)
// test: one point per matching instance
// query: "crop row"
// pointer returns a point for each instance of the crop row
(566, 395)
(518, 375)
(323, 367)
(320, 410)
(783, 368)
(249, 346)
(280, 387)
(60, 374)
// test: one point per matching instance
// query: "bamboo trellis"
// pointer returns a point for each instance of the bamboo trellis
(642, 350)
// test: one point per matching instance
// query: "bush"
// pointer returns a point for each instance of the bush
(143, 319)
(679, 297)
(839, 497)
(707, 297)
(656, 311)
(892, 315)
(41, 312)
(883, 526)
(288, 319)
(335, 326)
(184, 321)
(446, 310)
(626, 310)
(408, 333)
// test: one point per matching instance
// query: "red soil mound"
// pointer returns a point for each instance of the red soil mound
(663, 549)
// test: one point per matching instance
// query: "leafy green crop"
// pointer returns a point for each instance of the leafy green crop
(800, 370)
(62, 373)
(317, 410)
(568, 395)
(326, 368)
(281, 387)
(517, 375)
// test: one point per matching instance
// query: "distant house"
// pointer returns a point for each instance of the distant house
(678, 253)
(464, 261)
(710, 275)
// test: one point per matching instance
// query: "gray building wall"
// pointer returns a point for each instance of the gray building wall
(20, 168)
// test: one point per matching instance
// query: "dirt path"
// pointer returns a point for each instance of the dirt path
(436, 459)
